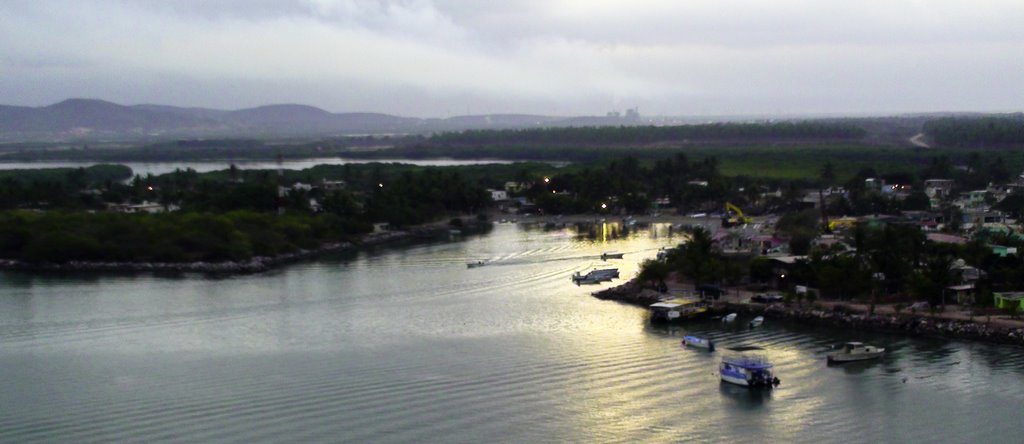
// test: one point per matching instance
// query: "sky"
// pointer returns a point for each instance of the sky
(438, 58)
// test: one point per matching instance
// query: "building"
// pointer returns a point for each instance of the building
(144, 207)
(938, 189)
(333, 185)
(1013, 300)
(498, 195)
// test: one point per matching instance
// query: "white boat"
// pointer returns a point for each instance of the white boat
(756, 322)
(748, 371)
(605, 274)
(698, 342)
(606, 256)
(729, 317)
(855, 351)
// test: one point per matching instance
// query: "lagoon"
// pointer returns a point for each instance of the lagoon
(203, 166)
(406, 344)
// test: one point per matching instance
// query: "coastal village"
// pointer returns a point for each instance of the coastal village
(961, 281)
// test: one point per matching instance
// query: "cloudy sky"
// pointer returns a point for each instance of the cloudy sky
(562, 57)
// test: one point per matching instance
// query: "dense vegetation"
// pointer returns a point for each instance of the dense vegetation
(227, 215)
(167, 237)
(58, 187)
(891, 263)
(403, 194)
(643, 135)
(1007, 131)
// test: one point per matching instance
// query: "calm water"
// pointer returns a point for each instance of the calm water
(408, 345)
(158, 168)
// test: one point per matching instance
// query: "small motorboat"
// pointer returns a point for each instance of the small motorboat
(855, 351)
(698, 342)
(748, 371)
(606, 274)
(756, 322)
(729, 318)
(606, 256)
(476, 264)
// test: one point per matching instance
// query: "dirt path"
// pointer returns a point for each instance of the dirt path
(918, 141)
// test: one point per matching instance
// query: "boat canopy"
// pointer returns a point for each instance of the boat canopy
(748, 362)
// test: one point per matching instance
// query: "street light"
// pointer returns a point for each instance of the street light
(546, 180)
(604, 206)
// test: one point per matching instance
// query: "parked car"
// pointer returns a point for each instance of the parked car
(766, 298)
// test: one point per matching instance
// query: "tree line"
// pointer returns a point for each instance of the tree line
(985, 132)
(641, 135)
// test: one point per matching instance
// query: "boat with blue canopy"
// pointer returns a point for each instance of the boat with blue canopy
(698, 342)
(748, 371)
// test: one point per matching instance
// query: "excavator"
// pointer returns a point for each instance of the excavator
(734, 216)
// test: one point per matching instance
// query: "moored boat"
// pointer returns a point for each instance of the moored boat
(757, 321)
(698, 342)
(748, 371)
(606, 256)
(729, 317)
(855, 351)
(678, 309)
(598, 275)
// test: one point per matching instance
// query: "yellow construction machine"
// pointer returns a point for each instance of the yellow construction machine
(734, 216)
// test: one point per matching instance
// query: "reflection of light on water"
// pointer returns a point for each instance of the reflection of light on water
(793, 367)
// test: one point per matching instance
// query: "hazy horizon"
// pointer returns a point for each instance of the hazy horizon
(440, 58)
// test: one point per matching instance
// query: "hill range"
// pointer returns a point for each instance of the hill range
(91, 119)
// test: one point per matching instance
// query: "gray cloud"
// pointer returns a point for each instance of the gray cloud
(421, 57)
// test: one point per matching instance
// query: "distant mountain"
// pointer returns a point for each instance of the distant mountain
(85, 116)
(98, 119)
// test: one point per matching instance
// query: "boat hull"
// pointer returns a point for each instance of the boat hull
(696, 342)
(845, 357)
(736, 380)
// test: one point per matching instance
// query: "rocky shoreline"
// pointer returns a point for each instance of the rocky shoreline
(256, 264)
(841, 317)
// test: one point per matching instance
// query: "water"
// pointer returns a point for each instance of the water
(408, 345)
(158, 168)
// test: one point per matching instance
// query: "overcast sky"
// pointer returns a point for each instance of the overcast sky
(562, 57)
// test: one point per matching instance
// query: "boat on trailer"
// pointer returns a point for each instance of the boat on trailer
(855, 351)
(748, 371)
(698, 342)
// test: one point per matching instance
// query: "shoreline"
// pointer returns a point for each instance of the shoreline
(841, 315)
(257, 264)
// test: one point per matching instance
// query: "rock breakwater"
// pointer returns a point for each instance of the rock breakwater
(978, 328)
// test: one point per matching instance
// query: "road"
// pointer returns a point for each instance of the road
(918, 141)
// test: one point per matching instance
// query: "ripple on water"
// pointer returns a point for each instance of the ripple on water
(409, 345)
